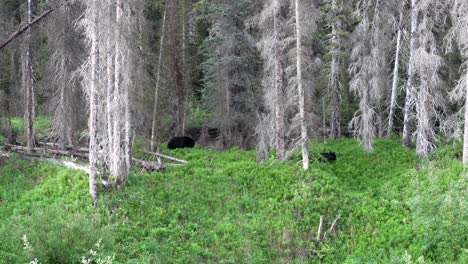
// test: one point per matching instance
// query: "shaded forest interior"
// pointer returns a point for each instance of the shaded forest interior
(264, 75)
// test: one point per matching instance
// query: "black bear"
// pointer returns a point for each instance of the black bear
(181, 142)
(330, 156)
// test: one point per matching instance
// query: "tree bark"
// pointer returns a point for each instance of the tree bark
(393, 99)
(93, 105)
(408, 126)
(116, 167)
(304, 138)
(334, 84)
(278, 91)
(465, 141)
(424, 140)
(28, 81)
(186, 63)
(158, 80)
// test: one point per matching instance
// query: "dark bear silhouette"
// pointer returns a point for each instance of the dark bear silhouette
(181, 142)
(330, 156)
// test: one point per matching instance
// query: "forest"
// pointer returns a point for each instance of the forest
(233, 131)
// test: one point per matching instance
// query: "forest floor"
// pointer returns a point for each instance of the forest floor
(222, 207)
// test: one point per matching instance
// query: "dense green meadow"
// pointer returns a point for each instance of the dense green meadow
(224, 208)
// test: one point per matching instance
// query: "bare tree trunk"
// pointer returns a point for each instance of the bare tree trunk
(424, 139)
(8, 106)
(158, 81)
(465, 140)
(63, 128)
(334, 84)
(408, 127)
(278, 87)
(110, 88)
(186, 64)
(227, 115)
(93, 106)
(393, 99)
(28, 78)
(116, 168)
(304, 138)
(368, 128)
(128, 139)
(177, 74)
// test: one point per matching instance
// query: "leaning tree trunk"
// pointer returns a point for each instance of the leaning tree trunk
(93, 105)
(158, 81)
(304, 139)
(408, 125)
(278, 91)
(393, 99)
(465, 141)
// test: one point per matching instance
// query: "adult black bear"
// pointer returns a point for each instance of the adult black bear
(330, 156)
(181, 142)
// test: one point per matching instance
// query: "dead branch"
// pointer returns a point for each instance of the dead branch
(333, 226)
(319, 232)
(166, 157)
(25, 27)
(68, 164)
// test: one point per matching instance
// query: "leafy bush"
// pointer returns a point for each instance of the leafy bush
(439, 212)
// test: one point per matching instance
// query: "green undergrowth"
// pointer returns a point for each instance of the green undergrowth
(42, 125)
(224, 208)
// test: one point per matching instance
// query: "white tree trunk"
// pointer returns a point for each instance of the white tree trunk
(158, 80)
(29, 85)
(116, 165)
(465, 140)
(304, 138)
(93, 105)
(393, 99)
(278, 88)
(408, 126)
(334, 84)
(128, 140)
(423, 137)
(110, 89)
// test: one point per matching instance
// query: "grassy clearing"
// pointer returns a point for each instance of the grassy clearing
(224, 208)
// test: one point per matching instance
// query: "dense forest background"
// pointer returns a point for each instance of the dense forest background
(262, 86)
(225, 72)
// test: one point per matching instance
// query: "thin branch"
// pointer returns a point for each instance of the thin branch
(25, 27)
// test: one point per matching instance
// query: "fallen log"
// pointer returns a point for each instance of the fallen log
(166, 157)
(68, 147)
(67, 164)
(49, 151)
(150, 166)
(45, 153)
(4, 155)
